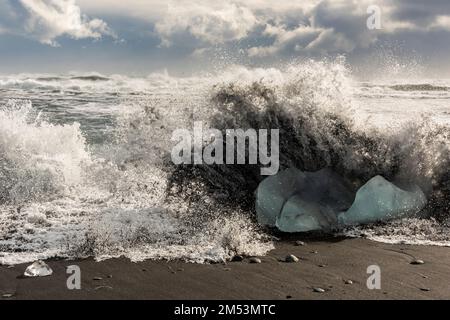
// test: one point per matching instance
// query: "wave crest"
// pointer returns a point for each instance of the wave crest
(38, 160)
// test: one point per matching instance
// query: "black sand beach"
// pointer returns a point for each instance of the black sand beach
(325, 264)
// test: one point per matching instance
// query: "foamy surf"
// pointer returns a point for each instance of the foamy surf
(92, 177)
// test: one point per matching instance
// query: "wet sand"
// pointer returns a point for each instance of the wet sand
(325, 263)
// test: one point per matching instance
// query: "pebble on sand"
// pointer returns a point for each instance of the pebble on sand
(300, 243)
(103, 287)
(291, 258)
(97, 278)
(417, 261)
(7, 295)
(319, 290)
(237, 258)
(254, 260)
(425, 289)
(348, 281)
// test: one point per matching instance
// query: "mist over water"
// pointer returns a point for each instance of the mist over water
(85, 164)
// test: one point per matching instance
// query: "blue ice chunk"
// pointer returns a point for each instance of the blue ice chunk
(381, 200)
(299, 215)
(296, 201)
(273, 192)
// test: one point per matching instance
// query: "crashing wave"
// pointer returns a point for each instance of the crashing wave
(309, 105)
(37, 159)
(61, 197)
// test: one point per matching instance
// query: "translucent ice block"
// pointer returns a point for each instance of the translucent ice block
(38, 269)
(381, 200)
(296, 201)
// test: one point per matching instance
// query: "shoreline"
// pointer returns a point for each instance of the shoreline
(324, 263)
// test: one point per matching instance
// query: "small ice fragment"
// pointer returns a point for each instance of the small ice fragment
(38, 269)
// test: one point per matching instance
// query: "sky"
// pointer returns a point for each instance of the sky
(185, 36)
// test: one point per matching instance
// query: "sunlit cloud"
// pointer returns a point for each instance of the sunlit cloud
(46, 20)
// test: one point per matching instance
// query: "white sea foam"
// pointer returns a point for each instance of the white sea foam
(61, 199)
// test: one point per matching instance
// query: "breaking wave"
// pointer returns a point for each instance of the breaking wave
(38, 160)
(60, 196)
(310, 106)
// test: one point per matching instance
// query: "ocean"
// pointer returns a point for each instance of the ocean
(85, 166)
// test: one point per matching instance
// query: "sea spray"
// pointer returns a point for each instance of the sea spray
(37, 159)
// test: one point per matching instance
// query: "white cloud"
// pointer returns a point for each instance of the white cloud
(285, 40)
(327, 26)
(212, 24)
(282, 27)
(147, 10)
(441, 22)
(46, 20)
